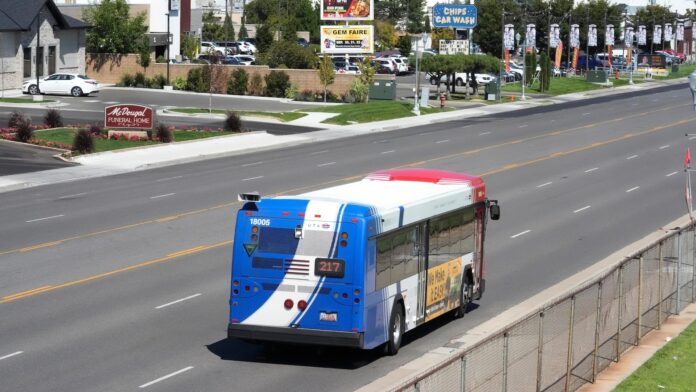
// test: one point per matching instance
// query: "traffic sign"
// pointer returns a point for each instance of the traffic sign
(461, 16)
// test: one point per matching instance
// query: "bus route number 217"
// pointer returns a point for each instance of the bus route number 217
(335, 268)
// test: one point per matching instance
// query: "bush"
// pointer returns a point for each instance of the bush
(276, 83)
(179, 83)
(292, 91)
(16, 118)
(53, 119)
(255, 85)
(127, 80)
(164, 134)
(160, 59)
(83, 142)
(292, 55)
(199, 80)
(24, 131)
(359, 91)
(158, 81)
(237, 84)
(95, 130)
(233, 123)
(139, 80)
(305, 96)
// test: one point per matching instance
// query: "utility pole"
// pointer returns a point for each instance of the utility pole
(169, 40)
(587, 43)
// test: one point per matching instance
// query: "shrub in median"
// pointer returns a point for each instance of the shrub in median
(233, 122)
(127, 80)
(276, 84)
(83, 142)
(158, 81)
(359, 90)
(237, 84)
(164, 134)
(16, 118)
(53, 119)
(140, 80)
(24, 131)
(179, 83)
(198, 80)
(95, 130)
(255, 85)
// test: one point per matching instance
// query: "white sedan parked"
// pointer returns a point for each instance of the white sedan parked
(62, 83)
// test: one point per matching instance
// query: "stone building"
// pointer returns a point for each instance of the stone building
(59, 45)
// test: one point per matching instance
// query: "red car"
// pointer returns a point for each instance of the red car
(678, 55)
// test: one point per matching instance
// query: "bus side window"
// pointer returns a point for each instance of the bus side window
(383, 272)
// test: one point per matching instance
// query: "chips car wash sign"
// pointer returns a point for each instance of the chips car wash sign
(460, 16)
(128, 116)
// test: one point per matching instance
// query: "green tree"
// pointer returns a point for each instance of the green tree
(426, 24)
(190, 45)
(404, 45)
(112, 30)
(488, 31)
(545, 72)
(243, 33)
(228, 29)
(264, 38)
(530, 70)
(385, 38)
(327, 74)
(367, 74)
(143, 50)
(650, 16)
(414, 16)
(211, 30)
(291, 55)
(390, 10)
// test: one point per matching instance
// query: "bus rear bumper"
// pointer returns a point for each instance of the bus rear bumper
(295, 335)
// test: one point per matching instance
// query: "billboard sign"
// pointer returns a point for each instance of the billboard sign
(651, 60)
(347, 39)
(347, 9)
(128, 116)
(461, 16)
(454, 46)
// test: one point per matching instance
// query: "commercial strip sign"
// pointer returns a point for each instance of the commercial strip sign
(345, 10)
(354, 39)
(460, 16)
(128, 116)
(454, 46)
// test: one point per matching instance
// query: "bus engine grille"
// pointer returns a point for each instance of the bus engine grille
(297, 267)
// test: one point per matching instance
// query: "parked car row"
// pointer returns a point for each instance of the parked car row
(237, 59)
(227, 48)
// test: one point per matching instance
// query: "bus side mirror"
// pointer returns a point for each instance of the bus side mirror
(495, 210)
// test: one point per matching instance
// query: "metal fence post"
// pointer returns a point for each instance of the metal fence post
(463, 366)
(596, 334)
(679, 262)
(618, 326)
(640, 299)
(506, 336)
(659, 285)
(569, 363)
(540, 351)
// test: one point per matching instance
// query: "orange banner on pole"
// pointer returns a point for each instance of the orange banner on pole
(610, 51)
(629, 59)
(575, 57)
(507, 60)
(559, 53)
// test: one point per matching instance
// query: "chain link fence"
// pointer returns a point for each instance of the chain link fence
(563, 346)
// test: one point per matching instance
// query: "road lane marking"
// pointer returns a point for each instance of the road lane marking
(11, 355)
(442, 141)
(252, 164)
(581, 209)
(692, 138)
(177, 301)
(671, 174)
(168, 178)
(632, 189)
(71, 196)
(586, 114)
(252, 178)
(39, 246)
(111, 102)
(171, 256)
(166, 377)
(425, 133)
(161, 196)
(520, 234)
(591, 170)
(544, 184)
(319, 152)
(631, 157)
(523, 126)
(387, 152)
(665, 146)
(484, 133)
(43, 219)
(326, 164)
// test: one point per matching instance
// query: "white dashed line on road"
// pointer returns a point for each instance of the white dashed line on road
(166, 377)
(387, 152)
(111, 102)
(326, 164)
(161, 196)
(168, 178)
(586, 114)
(544, 184)
(11, 355)
(484, 133)
(591, 170)
(71, 196)
(319, 152)
(48, 217)
(442, 141)
(177, 301)
(665, 146)
(252, 178)
(631, 157)
(632, 189)
(671, 174)
(91, 101)
(520, 234)
(252, 164)
(692, 138)
(523, 126)
(581, 209)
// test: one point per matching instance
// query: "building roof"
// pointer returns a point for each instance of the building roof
(19, 15)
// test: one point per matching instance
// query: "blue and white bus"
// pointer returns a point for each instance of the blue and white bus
(359, 264)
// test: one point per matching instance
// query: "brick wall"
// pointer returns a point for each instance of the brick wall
(110, 69)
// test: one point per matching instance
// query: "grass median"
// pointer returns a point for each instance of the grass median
(282, 116)
(560, 86)
(357, 113)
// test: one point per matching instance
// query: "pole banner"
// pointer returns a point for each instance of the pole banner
(642, 35)
(575, 57)
(592, 35)
(609, 36)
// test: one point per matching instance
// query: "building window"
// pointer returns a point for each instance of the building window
(51, 60)
(40, 61)
(27, 62)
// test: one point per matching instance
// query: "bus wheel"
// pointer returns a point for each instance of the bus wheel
(466, 294)
(396, 330)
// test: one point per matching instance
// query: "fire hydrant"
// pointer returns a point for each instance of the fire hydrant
(442, 100)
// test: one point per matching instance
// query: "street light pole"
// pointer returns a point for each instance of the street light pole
(169, 43)
(416, 105)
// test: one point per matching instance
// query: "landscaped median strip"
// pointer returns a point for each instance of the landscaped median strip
(170, 256)
(281, 116)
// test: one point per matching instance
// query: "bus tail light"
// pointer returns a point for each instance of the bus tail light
(235, 283)
(288, 304)
(302, 304)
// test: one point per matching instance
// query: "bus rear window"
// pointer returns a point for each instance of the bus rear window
(277, 240)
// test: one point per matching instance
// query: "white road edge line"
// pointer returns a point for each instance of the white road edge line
(484, 133)
(519, 234)
(692, 138)
(318, 152)
(69, 196)
(591, 170)
(665, 146)
(581, 209)
(177, 301)
(671, 174)
(632, 189)
(165, 195)
(442, 141)
(631, 157)
(252, 178)
(168, 178)
(387, 152)
(166, 377)
(544, 184)
(326, 164)
(48, 217)
(11, 355)
(252, 164)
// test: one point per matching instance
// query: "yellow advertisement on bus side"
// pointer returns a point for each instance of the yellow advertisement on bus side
(443, 287)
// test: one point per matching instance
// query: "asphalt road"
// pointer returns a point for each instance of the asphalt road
(16, 158)
(122, 282)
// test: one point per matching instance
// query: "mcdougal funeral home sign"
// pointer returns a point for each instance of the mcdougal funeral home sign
(128, 116)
